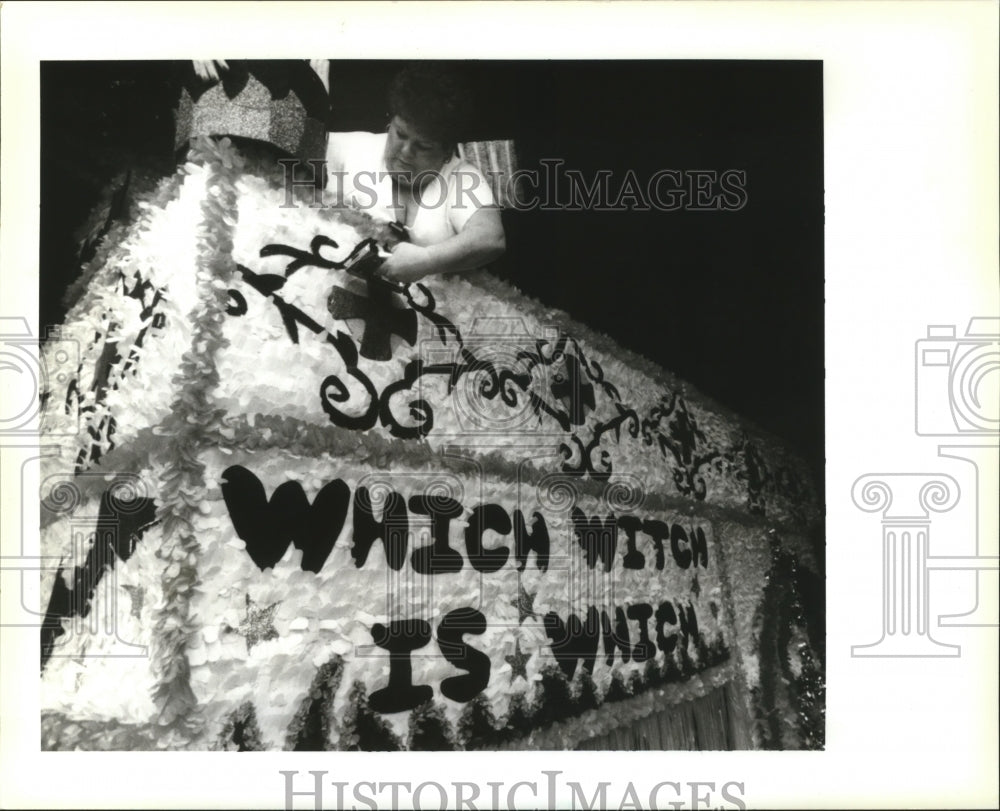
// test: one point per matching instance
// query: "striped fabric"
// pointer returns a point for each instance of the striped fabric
(713, 722)
(498, 161)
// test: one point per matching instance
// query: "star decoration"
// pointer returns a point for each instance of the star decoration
(524, 603)
(696, 586)
(258, 624)
(137, 595)
(517, 662)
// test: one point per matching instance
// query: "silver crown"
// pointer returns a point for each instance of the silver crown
(253, 113)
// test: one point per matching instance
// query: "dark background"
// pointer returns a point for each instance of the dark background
(730, 301)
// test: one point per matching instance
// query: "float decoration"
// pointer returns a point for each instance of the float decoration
(479, 525)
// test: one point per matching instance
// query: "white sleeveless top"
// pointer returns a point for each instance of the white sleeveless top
(357, 176)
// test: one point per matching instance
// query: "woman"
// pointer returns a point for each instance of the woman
(411, 174)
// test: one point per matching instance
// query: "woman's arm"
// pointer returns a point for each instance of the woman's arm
(479, 242)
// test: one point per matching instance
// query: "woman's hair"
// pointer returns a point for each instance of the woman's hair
(434, 98)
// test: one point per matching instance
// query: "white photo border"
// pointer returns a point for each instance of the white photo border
(911, 169)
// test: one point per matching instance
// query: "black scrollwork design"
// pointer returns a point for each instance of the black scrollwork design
(599, 468)
(300, 258)
(683, 440)
(566, 349)
(751, 468)
(333, 391)
(745, 463)
(419, 410)
(105, 379)
(237, 305)
(573, 382)
(443, 326)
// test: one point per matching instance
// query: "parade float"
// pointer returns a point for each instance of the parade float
(296, 507)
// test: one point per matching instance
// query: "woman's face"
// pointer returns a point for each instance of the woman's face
(409, 153)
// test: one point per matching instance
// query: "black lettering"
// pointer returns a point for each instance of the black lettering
(598, 539)
(401, 638)
(658, 531)
(484, 517)
(699, 547)
(682, 555)
(617, 637)
(689, 623)
(392, 529)
(633, 558)
(643, 649)
(574, 639)
(537, 541)
(437, 557)
(268, 527)
(665, 614)
(449, 636)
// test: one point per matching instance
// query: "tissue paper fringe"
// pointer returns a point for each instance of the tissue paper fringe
(558, 714)
(183, 484)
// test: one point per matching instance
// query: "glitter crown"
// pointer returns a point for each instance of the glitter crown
(278, 102)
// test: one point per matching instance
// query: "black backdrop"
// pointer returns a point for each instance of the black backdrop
(730, 301)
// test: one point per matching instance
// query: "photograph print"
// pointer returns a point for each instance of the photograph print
(433, 405)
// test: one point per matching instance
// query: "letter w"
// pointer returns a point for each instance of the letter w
(574, 639)
(393, 528)
(598, 539)
(268, 527)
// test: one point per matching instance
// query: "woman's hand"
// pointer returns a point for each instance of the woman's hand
(407, 263)
(478, 243)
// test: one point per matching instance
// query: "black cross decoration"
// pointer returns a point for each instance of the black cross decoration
(382, 319)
